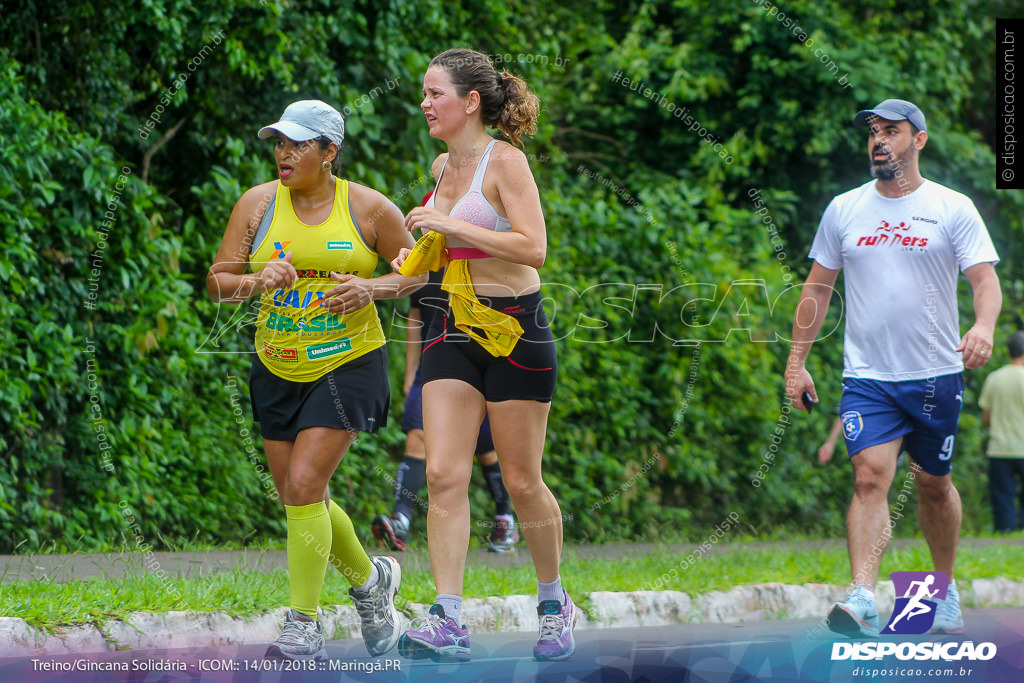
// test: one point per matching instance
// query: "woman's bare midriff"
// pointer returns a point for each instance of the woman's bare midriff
(495, 277)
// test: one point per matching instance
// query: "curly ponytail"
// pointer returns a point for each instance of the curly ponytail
(519, 111)
(506, 101)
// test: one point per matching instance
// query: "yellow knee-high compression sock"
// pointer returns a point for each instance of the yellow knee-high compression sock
(347, 554)
(309, 544)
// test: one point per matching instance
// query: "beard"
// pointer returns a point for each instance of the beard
(884, 171)
(888, 170)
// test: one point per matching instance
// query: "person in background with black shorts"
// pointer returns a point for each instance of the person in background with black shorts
(393, 530)
(319, 374)
(492, 350)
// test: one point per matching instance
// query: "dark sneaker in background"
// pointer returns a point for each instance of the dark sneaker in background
(392, 531)
(504, 534)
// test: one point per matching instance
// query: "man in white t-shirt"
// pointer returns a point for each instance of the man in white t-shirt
(900, 239)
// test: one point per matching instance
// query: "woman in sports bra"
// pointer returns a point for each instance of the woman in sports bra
(492, 349)
(319, 373)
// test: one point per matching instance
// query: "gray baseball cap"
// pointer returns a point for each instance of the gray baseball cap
(308, 119)
(892, 110)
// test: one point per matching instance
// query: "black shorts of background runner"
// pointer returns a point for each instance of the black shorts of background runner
(528, 374)
(353, 397)
(412, 418)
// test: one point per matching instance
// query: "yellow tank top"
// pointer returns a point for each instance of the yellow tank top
(296, 338)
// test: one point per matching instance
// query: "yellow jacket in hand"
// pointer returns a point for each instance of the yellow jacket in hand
(495, 331)
(428, 254)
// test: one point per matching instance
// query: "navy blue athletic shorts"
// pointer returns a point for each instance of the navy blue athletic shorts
(924, 412)
(413, 417)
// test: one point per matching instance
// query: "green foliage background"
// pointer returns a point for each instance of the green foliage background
(647, 439)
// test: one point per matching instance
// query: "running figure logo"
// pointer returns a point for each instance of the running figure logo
(914, 612)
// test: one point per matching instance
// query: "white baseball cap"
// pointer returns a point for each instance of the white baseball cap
(306, 120)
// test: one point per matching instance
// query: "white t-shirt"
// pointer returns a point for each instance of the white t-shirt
(901, 257)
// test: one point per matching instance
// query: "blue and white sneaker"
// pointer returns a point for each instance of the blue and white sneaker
(435, 636)
(857, 617)
(947, 613)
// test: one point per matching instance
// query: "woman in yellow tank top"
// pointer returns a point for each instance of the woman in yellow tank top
(319, 374)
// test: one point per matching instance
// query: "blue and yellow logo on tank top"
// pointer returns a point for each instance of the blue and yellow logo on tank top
(296, 338)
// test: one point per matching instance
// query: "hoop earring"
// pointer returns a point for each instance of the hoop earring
(326, 166)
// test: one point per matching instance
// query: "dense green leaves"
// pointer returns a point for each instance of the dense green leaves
(671, 299)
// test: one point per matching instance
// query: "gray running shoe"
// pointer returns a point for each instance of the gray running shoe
(376, 607)
(302, 638)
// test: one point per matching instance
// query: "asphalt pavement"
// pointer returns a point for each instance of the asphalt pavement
(769, 632)
(773, 652)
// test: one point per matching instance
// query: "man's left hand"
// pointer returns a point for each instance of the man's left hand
(976, 347)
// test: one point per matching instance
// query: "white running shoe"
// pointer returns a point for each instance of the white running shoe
(947, 613)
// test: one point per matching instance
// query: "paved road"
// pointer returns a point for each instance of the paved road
(62, 568)
(773, 652)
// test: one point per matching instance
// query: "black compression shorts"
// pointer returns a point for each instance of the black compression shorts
(529, 373)
(353, 397)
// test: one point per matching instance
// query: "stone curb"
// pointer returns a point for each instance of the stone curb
(515, 613)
